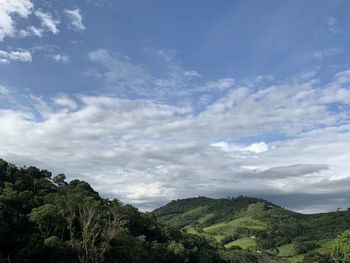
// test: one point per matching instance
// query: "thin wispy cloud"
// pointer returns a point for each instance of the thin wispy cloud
(329, 52)
(76, 19)
(47, 21)
(332, 24)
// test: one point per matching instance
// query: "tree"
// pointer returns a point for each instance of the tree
(341, 248)
(59, 180)
(48, 218)
(96, 225)
(314, 256)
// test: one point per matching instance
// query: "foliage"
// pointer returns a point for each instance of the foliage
(341, 248)
(301, 247)
(314, 256)
(48, 218)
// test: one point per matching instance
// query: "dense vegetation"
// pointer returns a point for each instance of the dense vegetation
(43, 218)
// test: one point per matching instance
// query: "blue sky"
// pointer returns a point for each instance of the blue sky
(156, 100)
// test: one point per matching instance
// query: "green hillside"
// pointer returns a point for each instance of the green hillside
(257, 225)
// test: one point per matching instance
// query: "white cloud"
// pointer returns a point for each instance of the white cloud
(59, 58)
(76, 19)
(3, 90)
(31, 31)
(47, 21)
(18, 55)
(215, 86)
(227, 147)
(258, 147)
(342, 77)
(64, 101)
(8, 8)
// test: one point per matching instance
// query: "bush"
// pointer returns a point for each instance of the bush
(302, 247)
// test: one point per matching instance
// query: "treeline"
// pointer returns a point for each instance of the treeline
(46, 219)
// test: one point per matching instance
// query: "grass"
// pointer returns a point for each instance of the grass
(326, 246)
(191, 230)
(242, 242)
(217, 237)
(205, 218)
(193, 212)
(297, 258)
(286, 250)
(226, 228)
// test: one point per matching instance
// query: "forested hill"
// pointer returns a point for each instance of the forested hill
(256, 224)
(44, 218)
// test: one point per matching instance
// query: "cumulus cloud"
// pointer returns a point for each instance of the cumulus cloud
(9, 8)
(342, 77)
(20, 55)
(47, 21)
(76, 19)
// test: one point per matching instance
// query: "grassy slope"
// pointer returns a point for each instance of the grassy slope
(244, 243)
(326, 246)
(222, 229)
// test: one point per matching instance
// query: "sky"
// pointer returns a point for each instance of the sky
(151, 101)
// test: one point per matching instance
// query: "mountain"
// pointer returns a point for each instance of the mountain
(258, 225)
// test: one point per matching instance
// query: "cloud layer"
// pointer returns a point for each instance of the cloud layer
(282, 139)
